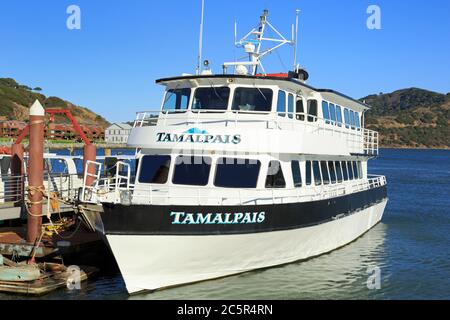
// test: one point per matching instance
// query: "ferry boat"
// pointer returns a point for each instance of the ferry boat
(239, 171)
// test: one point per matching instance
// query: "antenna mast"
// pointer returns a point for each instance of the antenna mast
(296, 65)
(200, 45)
(252, 44)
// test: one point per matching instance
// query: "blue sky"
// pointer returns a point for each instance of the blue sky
(111, 63)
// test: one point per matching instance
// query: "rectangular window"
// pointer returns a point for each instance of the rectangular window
(357, 121)
(325, 174)
(339, 115)
(211, 98)
(332, 171)
(347, 118)
(337, 164)
(344, 170)
(360, 170)
(296, 174)
(237, 173)
(154, 169)
(355, 170)
(252, 99)
(281, 103)
(317, 175)
(333, 113)
(291, 106)
(176, 99)
(299, 109)
(312, 110)
(191, 170)
(352, 119)
(308, 173)
(325, 111)
(275, 177)
(350, 170)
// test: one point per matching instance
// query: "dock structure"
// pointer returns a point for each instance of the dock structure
(34, 255)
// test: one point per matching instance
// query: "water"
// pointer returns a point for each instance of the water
(410, 246)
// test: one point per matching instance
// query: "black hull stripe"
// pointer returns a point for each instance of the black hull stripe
(157, 220)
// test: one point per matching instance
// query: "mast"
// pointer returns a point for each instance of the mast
(200, 44)
(296, 64)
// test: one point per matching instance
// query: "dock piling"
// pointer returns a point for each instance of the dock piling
(36, 172)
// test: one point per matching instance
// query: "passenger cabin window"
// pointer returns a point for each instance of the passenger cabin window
(275, 177)
(337, 165)
(291, 106)
(212, 98)
(312, 110)
(296, 174)
(299, 109)
(252, 99)
(317, 175)
(325, 174)
(176, 99)
(332, 171)
(345, 171)
(339, 115)
(355, 170)
(193, 171)
(237, 173)
(351, 175)
(154, 169)
(308, 173)
(281, 103)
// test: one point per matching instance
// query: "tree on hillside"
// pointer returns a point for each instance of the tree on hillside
(38, 89)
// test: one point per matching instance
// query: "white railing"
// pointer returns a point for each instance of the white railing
(359, 140)
(108, 192)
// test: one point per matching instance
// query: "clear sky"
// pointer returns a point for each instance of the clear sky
(111, 63)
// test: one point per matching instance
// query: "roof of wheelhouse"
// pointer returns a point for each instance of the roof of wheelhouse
(224, 79)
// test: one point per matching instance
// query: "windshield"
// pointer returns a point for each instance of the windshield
(253, 99)
(177, 99)
(211, 98)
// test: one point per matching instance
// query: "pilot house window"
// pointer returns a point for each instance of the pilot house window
(252, 99)
(176, 99)
(212, 98)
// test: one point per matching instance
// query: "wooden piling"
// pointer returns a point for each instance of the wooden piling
(90, 154)
(36, 172)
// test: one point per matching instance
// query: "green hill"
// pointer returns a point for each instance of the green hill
(410, 118)
(15, 100)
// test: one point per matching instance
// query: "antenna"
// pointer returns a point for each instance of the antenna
(252, 44)
(200, 44)
(296, 40)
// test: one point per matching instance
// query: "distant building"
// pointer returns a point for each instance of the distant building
(12, 129)
(118, 133)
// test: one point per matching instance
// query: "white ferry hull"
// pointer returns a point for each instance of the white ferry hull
(151, 262)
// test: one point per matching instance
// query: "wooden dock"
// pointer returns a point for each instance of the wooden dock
(53, 276)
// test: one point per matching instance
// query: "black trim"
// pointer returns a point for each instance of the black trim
(157, 220)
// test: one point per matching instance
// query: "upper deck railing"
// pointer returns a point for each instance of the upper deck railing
(359, 140)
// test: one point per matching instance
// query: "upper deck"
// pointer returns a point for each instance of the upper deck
(254, 114)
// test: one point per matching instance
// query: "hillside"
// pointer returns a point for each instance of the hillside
(15, 100)
(410, 118)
